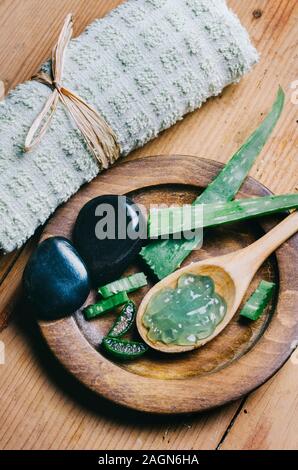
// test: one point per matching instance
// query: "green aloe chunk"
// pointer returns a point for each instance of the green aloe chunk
(169, 221)
(164, 256)
(124, 321)
(256, 304)
(122, 349)
(106, 305)
(126, 284)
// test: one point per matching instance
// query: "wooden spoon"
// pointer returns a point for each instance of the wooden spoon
(232, 275)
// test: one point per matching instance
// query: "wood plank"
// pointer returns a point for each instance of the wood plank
(40, 406)
(6, 262)
(10, 285)
(2, 90)
(269, 418)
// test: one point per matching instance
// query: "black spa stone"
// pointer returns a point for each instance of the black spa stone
(55, 280)
(107, 234)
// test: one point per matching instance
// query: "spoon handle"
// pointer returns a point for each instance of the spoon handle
(259, 251)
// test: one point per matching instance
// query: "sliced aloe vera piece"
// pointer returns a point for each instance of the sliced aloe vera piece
(256, 304)
(169, 221)
(106, 305)
(164, 256)
(126, 284)
(122, 349)
(124, 321)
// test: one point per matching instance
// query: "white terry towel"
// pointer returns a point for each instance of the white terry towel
(143, 67)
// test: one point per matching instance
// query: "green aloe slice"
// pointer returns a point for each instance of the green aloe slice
(124, 321)
(164, 256)
(123, 349)
(256, 304)
(126, 284)
(106, 305)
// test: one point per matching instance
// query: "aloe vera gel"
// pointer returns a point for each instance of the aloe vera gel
(186, 314)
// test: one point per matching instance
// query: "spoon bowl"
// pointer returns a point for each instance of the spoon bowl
(224, 286)
(232, 275)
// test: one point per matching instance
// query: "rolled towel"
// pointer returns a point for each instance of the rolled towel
(142, 67)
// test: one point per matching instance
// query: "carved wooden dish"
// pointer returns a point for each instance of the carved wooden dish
(240, 359)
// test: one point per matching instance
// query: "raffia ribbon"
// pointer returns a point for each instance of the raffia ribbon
(100, 138)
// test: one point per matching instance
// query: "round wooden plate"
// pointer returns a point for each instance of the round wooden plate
(240, 359)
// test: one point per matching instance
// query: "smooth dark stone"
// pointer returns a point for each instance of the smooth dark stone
(56, 280)
(96, 236)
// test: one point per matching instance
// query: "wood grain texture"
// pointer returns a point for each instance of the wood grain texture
(269, 418)
(38, 408)
(2, 90)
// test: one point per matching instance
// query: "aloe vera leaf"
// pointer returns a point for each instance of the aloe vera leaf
(168, 221)
(126, 284)
(256, 304)
(105, 305)
(164, 256)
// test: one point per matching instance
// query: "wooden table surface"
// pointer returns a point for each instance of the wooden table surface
(41, 407)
